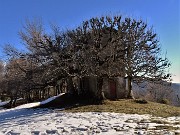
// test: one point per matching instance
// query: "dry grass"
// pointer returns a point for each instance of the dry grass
(130, 107)
(169, 128)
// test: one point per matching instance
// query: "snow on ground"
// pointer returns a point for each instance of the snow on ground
(47, 121)
(51, 99)
(3, 103)
(23, 120)
(33, 104)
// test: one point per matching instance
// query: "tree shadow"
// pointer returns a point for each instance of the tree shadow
(20, 114)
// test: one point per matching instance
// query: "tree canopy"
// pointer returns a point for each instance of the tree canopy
(102, 47)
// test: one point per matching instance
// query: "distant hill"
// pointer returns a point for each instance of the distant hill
(176, 93)
(176, 86)
(172, 91)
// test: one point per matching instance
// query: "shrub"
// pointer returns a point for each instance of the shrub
(165, 101)
(141, 101)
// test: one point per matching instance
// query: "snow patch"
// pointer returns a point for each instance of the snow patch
(3, 103)
(51, 99)
(46, 121)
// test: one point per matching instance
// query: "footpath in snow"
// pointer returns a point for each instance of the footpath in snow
(23, 120)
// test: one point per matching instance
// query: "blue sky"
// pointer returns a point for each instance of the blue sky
(163, 15)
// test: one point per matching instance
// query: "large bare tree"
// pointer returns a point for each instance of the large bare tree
(1, 69)
(110, 46)
(143, 60)
(102, 47)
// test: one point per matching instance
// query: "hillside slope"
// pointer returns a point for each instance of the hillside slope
(130, 107)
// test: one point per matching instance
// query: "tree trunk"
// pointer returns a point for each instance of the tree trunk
(40, 94)
(29, 100)
(99, 91)
(129, 88)
(14, 103)
(70, 88)
(43, 94)
(11, 101)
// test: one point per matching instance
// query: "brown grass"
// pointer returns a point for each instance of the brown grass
(169, 128)
(129, 107)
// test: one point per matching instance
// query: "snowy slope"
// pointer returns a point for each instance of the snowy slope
(51, 99)
(3, 103)
(30, 105)
(45, 121)
(23, 120)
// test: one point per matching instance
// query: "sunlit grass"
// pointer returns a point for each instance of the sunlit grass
(130, 107)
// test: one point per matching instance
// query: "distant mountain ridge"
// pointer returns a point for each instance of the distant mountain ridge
(176, 87)
(141, 90)
(176, 83)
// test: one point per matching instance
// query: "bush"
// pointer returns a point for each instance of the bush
(165, 101)
(141, 101)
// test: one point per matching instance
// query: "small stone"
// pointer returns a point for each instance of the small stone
(96, 131)
(177, 132)
(82, 129)
(129, 121)
(118, 129)
(104, 130)
(115, 126)
(51, 131)
(64, 130)
(140, 133)
(35, 132)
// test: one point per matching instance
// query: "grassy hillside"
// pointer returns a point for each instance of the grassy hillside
(130, 107)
